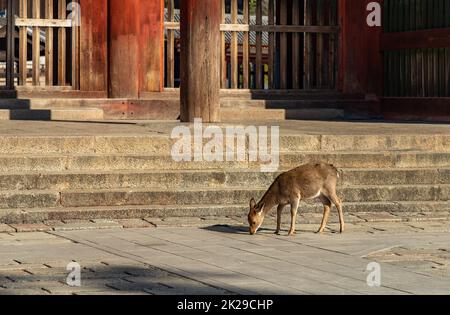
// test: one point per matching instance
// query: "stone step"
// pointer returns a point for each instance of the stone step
(131, 197)
(159, 144)
(290, 104)
(100, 162)
(229, 115)
(57, 103)
(35, 215)
(183, 179)
(85, 114)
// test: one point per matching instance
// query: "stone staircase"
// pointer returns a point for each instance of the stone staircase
(236, 106)
(133, 176)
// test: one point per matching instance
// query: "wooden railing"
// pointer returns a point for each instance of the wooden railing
(275, 44)
(60, 41)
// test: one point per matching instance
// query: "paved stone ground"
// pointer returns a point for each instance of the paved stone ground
(217, 256)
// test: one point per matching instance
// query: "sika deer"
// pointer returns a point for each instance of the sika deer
(306, 182)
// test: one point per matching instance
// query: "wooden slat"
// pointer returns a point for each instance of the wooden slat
(36, 46)
(10, 47)
(223, 49)
(267, 28)
(320, 44)
(272, 45)
(47, 22)
(258, 64)
(283, 45)
(280, 28)
(246, 48)
(75, 47)
(295, 47)
(333, 46)
(308, 48)
(62, 50)
(49, 44)
(234, 47)
(171, 46)
(23, 13)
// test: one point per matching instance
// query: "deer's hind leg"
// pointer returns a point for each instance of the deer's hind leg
(294, 209)
(331, 194)
(326, 213)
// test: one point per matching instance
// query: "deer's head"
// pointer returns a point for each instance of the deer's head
(255, 216)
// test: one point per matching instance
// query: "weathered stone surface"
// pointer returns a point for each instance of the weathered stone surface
(28, 199)
(4, 228)
(63, 171)
(31, 227)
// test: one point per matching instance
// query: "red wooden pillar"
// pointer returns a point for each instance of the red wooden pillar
(200, 60)
(361, 65)
(94, 46)
(135, 47)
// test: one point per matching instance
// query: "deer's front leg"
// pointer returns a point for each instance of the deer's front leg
(294, 209)
(279, 213)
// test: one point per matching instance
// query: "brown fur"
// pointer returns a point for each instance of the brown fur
(314, 180)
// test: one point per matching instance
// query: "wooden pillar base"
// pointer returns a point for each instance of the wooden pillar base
(200, 60)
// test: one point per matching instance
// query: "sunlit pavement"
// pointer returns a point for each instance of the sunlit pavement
(223, 259)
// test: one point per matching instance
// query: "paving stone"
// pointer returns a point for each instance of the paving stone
(134, 223)
(379, 217)
(175, 222)
(31, 227)
(225, 259)
(4, 228)
(69, 225)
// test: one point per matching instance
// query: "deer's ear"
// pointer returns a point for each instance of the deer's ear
(252, 203)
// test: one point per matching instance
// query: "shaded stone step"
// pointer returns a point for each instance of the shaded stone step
(29, 199)
(16, 216)
(85, 114)
(205, 179)
(231, 196)
(21, 163)
(161, 144)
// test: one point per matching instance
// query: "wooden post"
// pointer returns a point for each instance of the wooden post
(200, 60)
(93, 46)
(10, 47)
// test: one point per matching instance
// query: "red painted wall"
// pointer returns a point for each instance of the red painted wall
(135, 47)
(94, 46)
(361, 65)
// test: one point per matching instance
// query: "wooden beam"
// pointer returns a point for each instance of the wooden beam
(23, 44)
(234, 58)
(75, 46)
(10, 46)
(430, 38)
(49, 11)
(258, 62)
(36, 46)
(62, 50)
(171, 46)
(246, 48)
(43, 22)
(267, 28)
(200, 60)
